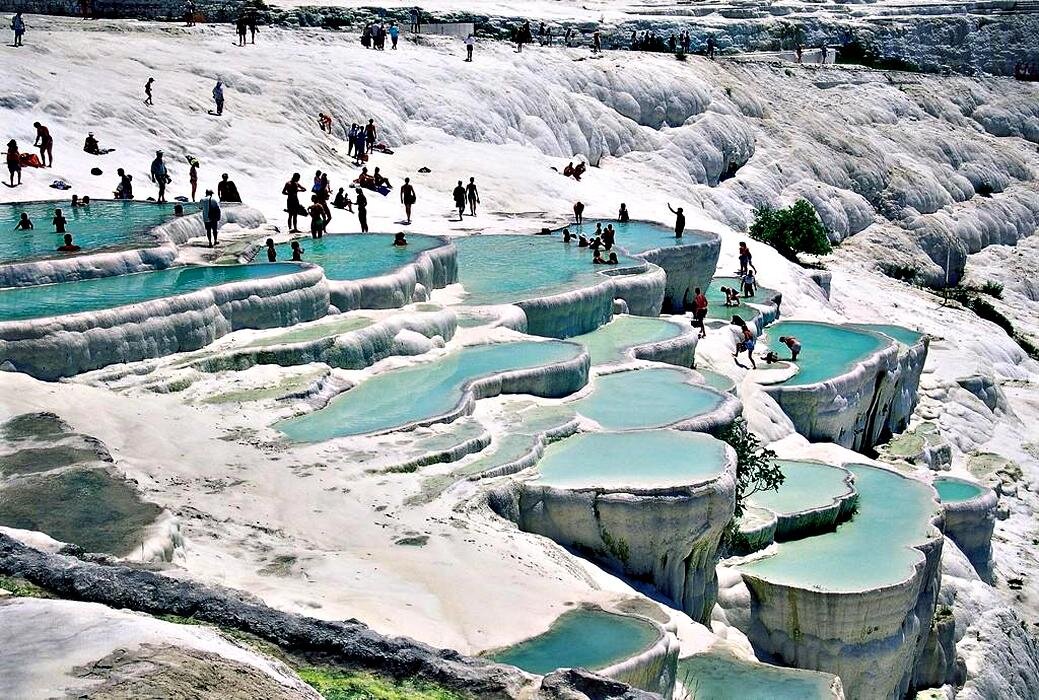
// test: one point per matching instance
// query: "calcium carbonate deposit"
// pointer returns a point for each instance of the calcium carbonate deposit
(528, 350)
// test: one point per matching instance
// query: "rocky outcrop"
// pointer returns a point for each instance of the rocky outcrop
(347, 644)
(63, 346)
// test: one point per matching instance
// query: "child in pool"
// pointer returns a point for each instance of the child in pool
(59, 221)
(297, 252)
(612, 260)
(598, 259)
(24, 223)
(69, 246)
(399, 239)
(272, 253)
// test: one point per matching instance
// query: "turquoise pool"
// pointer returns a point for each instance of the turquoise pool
(807, 485)
(420, 392)
(103, 224)
(21, 303)
(953, 490)
(903, 335)
(510, 268)
(719, 310)
(722, 676)
(827, 351)
(637, 237)
(610, 343)
(873, 549)
(646, 398)
(589, 639)
(639, 459)
(348, 256)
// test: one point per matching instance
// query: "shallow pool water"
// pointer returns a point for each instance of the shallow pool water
(953, 490)
(646, 398)
(511, 268)
(313, 331)
(637, 237)
(717, 380)
(349, 256)
(873, 549)
(827, 351)
(20, 303)
(611, 342)
(722, 676)
(590, 639)
(103, 224)
(906, 336)
(716, 299)
(637, 459)
(807, 485)
(420, 392)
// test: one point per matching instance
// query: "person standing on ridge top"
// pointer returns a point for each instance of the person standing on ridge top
(45, 142)
(160, 176)
(218, 97)
(473, 195)
(470, 42)
(679, 221)
(291, 191)
(459, 195)
(18, 27)
(362, 210)
(407, 198)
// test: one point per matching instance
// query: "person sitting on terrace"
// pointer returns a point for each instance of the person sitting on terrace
(379, 180)
(365, 180)
(91, 146)
(568, 171)
(342, 201)
(69, 246)
(399, 239)
(579, 170)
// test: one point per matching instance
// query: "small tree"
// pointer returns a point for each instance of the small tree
(756, 468)
(791, 231)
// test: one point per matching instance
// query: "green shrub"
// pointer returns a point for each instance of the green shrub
(905, 273)
(993, 289)
(756, 468)
(791, 231)
(334, 684)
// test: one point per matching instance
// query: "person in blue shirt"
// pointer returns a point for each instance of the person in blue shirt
(394, 35)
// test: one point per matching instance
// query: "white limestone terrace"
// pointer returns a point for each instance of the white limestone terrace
(651, 505)
(970, 516)
(55, 331)
(216, 465)
(153, 249)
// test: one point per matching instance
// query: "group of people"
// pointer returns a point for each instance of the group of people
(649, 41)
(60, 222)
(600, 243)
(374, 36)
(360, 140)
(575, 171)
(246, 24)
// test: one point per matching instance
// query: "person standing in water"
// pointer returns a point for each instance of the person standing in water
(472, 195)
(45, 142)
(470, 42)
(68, 246)
(793, 344)
(272, 252)
(679, 221)
(218, 97)
(579, 213)
(362, 210)
(148, 92)
(59, 221)
(210, 216)
(459, 195)
(291, 191)
(297, 252)
(407, 198)
(160, 176)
